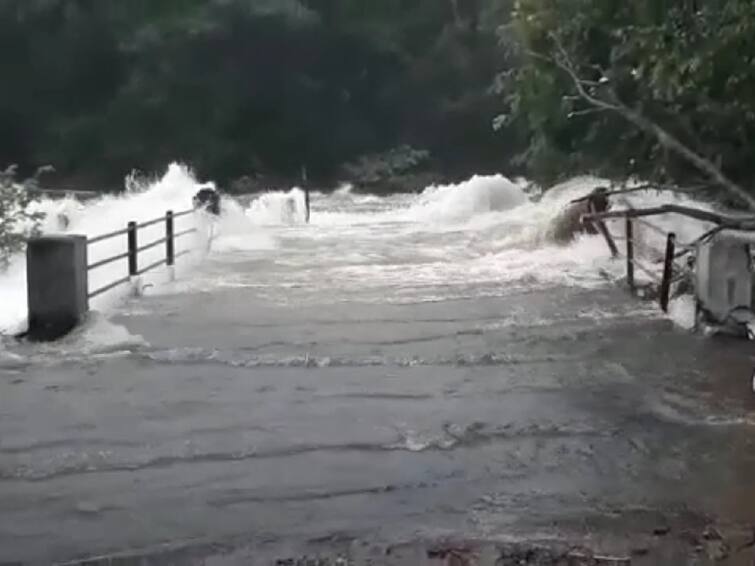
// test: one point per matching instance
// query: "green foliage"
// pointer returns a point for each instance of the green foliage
(17, 220)
(374, 168)
(237, 87)
(688, 65)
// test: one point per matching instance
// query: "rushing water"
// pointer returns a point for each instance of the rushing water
(473, 239)
(402, 367)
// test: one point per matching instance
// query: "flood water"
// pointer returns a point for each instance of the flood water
(401, 372)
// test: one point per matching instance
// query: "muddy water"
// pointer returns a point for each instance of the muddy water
(379, 425)
(413, 380)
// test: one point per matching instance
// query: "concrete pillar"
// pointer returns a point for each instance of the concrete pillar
(57, 286)
(723, 273)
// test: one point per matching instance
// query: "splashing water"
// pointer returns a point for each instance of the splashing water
(106, 214)
(481, 237)
(278, 208)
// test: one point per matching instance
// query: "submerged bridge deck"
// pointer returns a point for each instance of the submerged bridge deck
(248, 429)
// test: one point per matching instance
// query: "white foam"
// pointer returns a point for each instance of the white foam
(478, 195)
(474, 238)
(682, 312)
(278, 207)
(344, 190)
(96, 336)
(106, 214)
(236, 231)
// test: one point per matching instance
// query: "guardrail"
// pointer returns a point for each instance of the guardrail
(133, 249)
(58, 269)
(669, 267)
(672, 272)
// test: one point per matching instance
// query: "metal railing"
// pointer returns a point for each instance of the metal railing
(669, 267)
(133, 249)
(672, 272)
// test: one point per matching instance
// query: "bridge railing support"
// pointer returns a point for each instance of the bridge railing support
(633, 217)
(629, 228)
(57, 285)
(668, 270)
(58, 273)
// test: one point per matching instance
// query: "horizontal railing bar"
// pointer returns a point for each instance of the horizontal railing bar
(107, 236)
(184, 232)
(152, 245)
(109, 287)
(152, 266)
(737, 222)
(107, 261)
(148, 223)
(639, 244)
(145, 224)
(145, 247)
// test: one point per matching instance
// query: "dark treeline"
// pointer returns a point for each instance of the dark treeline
(364, 89)
(247, 87)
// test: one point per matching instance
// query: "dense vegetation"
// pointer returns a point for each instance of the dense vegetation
(247, 87)
(664, 89)
(18, 220)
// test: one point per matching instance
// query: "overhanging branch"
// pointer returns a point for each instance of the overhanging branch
(737, 223)
(665, 138)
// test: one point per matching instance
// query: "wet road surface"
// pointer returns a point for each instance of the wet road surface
(246, 431)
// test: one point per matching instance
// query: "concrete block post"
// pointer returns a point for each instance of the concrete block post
(57, 286)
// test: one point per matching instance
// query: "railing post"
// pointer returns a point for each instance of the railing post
(630, 252)
(668, 270)
(170, 248)
(306, 204)
(56, 282)
(133, 264)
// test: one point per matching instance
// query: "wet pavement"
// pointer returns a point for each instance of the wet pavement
(543, 426)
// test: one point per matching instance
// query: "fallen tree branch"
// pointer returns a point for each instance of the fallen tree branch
(665, 138)
(603, 229)
(649, 186)
(733, 222)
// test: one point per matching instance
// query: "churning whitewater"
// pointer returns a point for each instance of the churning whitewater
(405, 366)
(482, 237)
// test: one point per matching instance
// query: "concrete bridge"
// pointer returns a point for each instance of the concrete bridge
(380, 392)
(250, 429)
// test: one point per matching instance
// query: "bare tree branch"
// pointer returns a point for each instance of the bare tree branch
(665, 138)
(586, 112)
(650, 187)
(734, 222)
